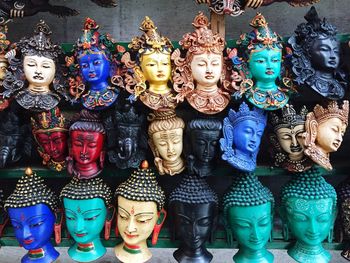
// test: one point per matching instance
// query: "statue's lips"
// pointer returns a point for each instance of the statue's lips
(209, 76)
(269, 72)
(312, 236)
(255, 241)
(38, 77)
(130, 236)
(160, 75)
(92, 75)
(28, 241)
(80, 234)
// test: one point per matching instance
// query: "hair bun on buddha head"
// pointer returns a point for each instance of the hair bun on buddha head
(87, 121)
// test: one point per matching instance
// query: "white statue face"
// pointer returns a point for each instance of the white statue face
(206, 69)
(39, 71)
(169, 144)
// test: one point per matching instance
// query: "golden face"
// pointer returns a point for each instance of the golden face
(169, 144)
(3, 68)
(39, 71)
(136, 220)
(156, 67)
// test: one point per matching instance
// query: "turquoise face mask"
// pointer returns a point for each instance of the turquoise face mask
(85, 220)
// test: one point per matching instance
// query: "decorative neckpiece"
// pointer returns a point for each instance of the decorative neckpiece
(150, 87)
(240, 148)
(4, 46)
(202, 76)
(313, 67)
(320, 138)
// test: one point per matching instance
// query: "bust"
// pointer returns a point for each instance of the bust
(202, 76)
(343, 193)
(324, 131)
(309, 209)
(248, 212)
(50, 131)
(87, 207)
(194, 209)
(316, 55)
(203, 142)
(34, 76)
(86, 154)
(287, 139)
(165, 138)
(4, 46)
(264, 83)
(140, 202)
(31, 208)
(93, 77)
(242, 135)
(149, 68)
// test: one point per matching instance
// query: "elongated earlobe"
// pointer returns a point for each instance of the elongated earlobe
(161, 218)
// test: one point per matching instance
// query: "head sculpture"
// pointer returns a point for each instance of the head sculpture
(308, 209)
(316, 56)
(242, 135)
(31, 208)
(88, 209)
(50, 130)
(4, 47)
(129, 144)
(195, 210)
(287, 139)
(149, 68)
(264, 82)
(93, 76)
(324, 131)
(34, 76)
(343, 193)
(86, 153)
(140, 202)
(165, 138)
(248, 212)
(202, 138)
(202, 76)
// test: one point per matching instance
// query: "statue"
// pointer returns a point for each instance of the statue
(149, 68)
(316, 55)
(165, 136)
(88, 209)
(248, 212)
(324, 131)
(242, 135)
(140, 202)
(50, 130)
(287, 139)
(308, 209)
(202, 76)
(4, 46)
(260, 72)
(343, 193)
(32, 209)
(34, 75)
(86, 154)
(203, 142)
(92, 70)
(195, 211)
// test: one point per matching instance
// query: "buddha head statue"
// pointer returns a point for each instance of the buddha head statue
(165, 138)
(343, 193)
(194, 207)
(34, 75)
(316, 56)
(93, 76)
(264, 83)
(202, 76)
(88, 209)
(242, 135)
(287, 139)
(149, 68)
(324, 131)
(248, 212)
(140, 202)
(130, 140)
(202, 137)
(50, 131)
(86, 154)
(31, 208)
(4, 46)
(308, 209)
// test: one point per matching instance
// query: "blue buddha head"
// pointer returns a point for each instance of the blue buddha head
(242, 135)
(31, 208)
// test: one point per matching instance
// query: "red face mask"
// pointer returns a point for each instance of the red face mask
(54, 144)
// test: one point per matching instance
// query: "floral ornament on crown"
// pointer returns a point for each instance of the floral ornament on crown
(259, 41)
(216, 96)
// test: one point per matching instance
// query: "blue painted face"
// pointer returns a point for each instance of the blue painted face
(33, 225)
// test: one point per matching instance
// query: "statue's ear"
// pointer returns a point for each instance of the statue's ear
(58, 225)
(102, 159)
(331, 229)
(283, 214)
(108, 222)
(161, 218)
(229, 236)
(215, 223)
(310, 133)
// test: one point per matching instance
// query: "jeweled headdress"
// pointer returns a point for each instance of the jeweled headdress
(244, 113)
(31, 190)
(78, 189)
(129, 118)
(289, 117)
(49, 121)
(4, 42)
(332, 111)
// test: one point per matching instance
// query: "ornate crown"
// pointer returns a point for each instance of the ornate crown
(129, 118)
(244, 113)
(202, 40)
(52, 120)
(150, 41)
(4, 42)
(289, 117)
(332, 111)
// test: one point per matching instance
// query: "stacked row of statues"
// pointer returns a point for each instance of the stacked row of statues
(265, 77)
